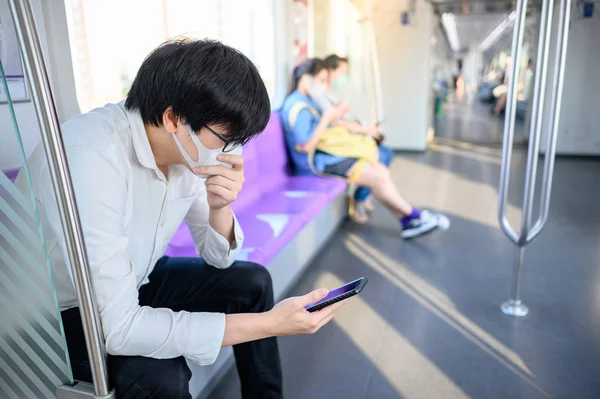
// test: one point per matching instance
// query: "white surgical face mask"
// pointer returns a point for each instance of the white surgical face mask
(317, 90)
(206, 156)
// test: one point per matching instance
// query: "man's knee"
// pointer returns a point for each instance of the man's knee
(257, 282)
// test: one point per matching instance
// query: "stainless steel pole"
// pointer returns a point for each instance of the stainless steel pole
(514, 305)
(509, 124)
(43, 101)
(555, 108)
(536, 117)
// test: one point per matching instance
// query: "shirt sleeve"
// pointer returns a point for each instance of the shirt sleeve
(304, 127)
(210, 245)
(129, 329)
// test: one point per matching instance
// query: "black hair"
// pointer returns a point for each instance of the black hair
(311, 67)
(333, 61)
(205, 82)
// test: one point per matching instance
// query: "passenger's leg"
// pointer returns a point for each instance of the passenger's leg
(131, 377)
(190, 284)
(386, 154)
(377, 177)
(501, 104)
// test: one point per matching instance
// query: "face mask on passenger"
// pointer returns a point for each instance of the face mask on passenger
(204, 154)
(317, 90)
(340, 82)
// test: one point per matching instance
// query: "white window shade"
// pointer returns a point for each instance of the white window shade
(108, 45)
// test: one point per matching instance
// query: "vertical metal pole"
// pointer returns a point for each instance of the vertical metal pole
(562, 39)
(536, 117)
(514, 306)
(37, 76)
(509, 122)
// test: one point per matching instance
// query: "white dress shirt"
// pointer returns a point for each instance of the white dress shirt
(129, 212)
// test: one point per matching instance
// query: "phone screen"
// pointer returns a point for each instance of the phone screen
(339, 291)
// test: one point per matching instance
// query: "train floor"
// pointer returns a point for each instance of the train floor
(428, 324)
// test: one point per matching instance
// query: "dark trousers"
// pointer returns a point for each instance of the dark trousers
(190, 284)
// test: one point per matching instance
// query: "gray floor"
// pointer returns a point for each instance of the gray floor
(428, 324)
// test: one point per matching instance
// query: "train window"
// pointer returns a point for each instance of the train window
(109, 39)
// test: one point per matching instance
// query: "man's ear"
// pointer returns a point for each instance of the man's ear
(170, 121)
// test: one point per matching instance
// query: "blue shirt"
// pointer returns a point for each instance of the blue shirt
(302, 131)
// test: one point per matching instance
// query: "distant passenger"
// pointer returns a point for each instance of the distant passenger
(337, 81)
(139, 168)
(306, 127)
(525, 91)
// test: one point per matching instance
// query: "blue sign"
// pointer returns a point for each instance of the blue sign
(588, 10)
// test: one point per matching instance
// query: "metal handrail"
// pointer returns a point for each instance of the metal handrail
(536, 118)
(509, 125)
(555, 109)
(37, 76)
(514, 306)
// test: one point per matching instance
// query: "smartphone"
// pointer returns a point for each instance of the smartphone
(339, 294)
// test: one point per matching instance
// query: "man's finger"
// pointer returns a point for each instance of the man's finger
(237, 161)
(324, 321)
(220, 181)
(220, 191)
(216, 170)
(329, 310)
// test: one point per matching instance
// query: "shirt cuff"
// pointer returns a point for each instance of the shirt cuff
(218, 251)
(206, 337)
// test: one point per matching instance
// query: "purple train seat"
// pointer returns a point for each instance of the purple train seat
(274, 205)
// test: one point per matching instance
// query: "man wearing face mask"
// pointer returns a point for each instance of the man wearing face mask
(169, 153)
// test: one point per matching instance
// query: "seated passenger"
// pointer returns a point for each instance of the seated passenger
(525, 90)
(337, 80)
(305, 125)
(139, 168)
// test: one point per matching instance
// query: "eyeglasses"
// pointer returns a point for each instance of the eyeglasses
(228, 145)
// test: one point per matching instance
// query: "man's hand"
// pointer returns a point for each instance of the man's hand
(223, 184)
(289, 317)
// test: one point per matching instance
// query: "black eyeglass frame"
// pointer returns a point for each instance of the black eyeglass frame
(228, 145)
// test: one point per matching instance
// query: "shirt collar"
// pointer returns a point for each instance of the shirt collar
(141, 145)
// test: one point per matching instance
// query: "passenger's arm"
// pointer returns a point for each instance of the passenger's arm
(306, 134)
(216, 232)
(288, 317)
(101, 187)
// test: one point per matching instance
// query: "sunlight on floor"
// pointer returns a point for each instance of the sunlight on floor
(437, 303)
(400, 363)
(425, 185)
(465, 145)
(471, 154)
